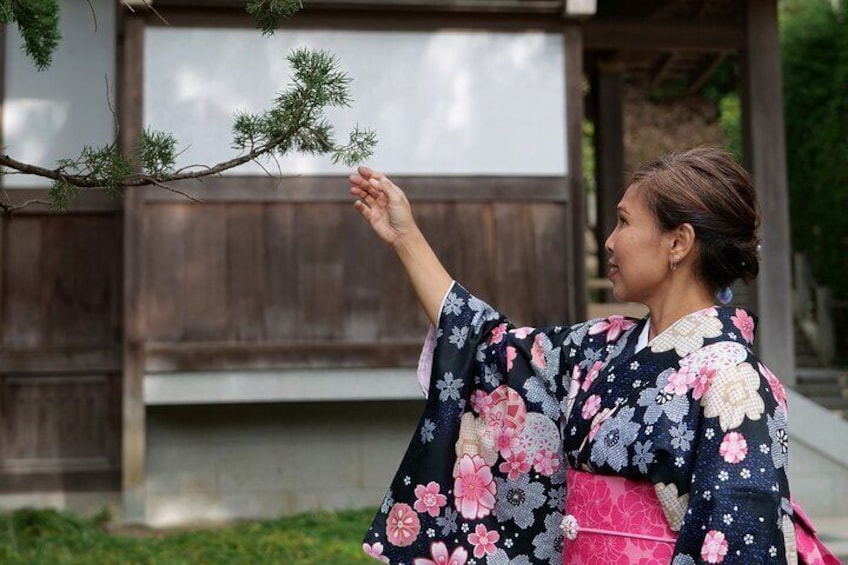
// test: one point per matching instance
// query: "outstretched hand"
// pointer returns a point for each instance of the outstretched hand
(382, 204)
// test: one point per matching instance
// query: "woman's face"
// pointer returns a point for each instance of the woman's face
(639, 251)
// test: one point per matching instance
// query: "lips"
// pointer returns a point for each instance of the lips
(613, 270)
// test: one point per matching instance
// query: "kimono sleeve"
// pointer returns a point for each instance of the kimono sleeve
(739, 510)
(483, 475)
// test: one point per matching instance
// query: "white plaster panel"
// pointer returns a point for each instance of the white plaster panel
(52, 114)
(446, 103)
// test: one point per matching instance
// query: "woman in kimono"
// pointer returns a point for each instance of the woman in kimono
(668, 432)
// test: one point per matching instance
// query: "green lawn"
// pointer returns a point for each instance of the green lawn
(48, 537)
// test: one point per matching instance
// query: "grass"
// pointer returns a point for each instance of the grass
(49, 537)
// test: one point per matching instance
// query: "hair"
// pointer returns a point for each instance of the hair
(706, 188)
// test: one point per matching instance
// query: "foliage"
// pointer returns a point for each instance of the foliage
(295, 120)
(814, 41)
(38, 22)
(48, 536)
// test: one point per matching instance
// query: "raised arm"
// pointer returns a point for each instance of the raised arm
(386, 208)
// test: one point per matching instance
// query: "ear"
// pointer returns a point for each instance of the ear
(682, 242)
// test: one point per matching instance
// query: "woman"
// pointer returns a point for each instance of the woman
(668, 431)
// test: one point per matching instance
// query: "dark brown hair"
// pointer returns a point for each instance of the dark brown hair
(707, 188)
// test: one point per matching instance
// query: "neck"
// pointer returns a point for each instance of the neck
(680, 299)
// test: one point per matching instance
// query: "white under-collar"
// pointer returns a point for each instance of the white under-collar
(643, 337)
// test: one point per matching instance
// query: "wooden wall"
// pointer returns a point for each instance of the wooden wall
(294, 284)
(60, 351)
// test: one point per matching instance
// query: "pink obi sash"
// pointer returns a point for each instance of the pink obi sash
(612, 520)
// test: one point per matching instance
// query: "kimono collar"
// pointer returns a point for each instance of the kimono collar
(737, 324)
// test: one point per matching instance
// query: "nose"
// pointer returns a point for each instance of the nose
(608, 244)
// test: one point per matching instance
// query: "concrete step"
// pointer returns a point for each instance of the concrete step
(828, 387)
(833, 531)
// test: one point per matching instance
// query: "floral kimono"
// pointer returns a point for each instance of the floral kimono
(691, 417)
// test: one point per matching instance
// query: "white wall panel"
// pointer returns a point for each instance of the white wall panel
(447, 103)
(51, 114)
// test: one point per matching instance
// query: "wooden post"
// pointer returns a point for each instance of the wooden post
(765, 157)
(131, 67)
(577, 296)
(609, 151)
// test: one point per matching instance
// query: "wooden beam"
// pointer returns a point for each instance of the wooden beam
(91, 201)
(705, 71)
(609, 151)
(333, 188)
(485, 6)
(374, 17)
(199, 356)
(765, 156)
(599, 34)
(660, 69)
(577, 294)
(130, 104)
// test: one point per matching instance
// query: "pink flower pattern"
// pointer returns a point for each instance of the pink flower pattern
(497, 334)
(545, 462)
(714, 548)
(483, 541)
(592, 375)
(515, 465)
(537, 351)
(474, 487)
(439, 556)
(733, 447)
(402, 525)
(429, 499)
(511, 353)
(775, 385)
(375, 551)
(614, 326)
(744, 323)
(591, 406)
(505, 441)
(680, 382)
(601, 503)
(702, 382)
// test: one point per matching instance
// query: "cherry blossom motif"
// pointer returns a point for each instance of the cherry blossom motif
(599, 419)
(481, 402)
(775, 385)
(429, 499)
(440, 556)
(506, 440)
(702, 382)
(591, 406)
(714, 548)
(474, 487)
(614, 326)
(497, 334)
(537, 351)
(483, 541)
(521, 333)
(510, 357)
(592, 375)
(545, 462)
(375, 551)
(680, 382)
(402, 525)
(733, 447)
(515, 465)
(744, 323)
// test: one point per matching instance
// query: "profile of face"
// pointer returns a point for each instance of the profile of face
(638, 250)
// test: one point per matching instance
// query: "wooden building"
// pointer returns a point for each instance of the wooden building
(254, 354)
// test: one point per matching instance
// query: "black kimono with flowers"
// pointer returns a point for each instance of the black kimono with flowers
(693, 412)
